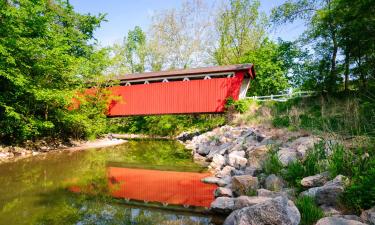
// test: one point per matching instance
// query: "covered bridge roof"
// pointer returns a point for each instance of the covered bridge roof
(249, 68)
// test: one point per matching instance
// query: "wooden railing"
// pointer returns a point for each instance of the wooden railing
(283, 97)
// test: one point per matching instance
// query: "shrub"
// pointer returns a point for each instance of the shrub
(314, 159)
(240, 106)
(294, 173)
(341, 161)
(310, 212)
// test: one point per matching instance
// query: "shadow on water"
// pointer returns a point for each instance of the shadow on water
(36, 190)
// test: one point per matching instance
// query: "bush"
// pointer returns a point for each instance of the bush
(294, 173)
(310, 212)
(315, 158)
(240, 106)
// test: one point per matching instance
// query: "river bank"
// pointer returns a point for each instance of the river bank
(43, 147)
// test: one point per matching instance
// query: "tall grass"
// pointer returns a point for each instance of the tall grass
(310, 212)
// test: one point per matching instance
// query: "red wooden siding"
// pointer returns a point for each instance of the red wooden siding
(176, 97)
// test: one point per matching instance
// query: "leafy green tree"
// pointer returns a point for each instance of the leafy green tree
(270, 71)
(45, 52)
(240, 27)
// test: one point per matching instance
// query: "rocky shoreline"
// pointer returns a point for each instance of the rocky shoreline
(235, 156)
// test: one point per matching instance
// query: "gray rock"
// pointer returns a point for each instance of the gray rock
(303, 144)
(251, 171)
(287, 156)
(316, 180)
(200, 159)
(219, 150)
(337, 221)
(226, 171)
(238, 172)
(245, 201)
(223, 192)
(327, 194)
(349, 217)
(245, 184)
(237, 160)
(214, 180)
(204, 149)
(184, 136)
(330, 210)
(218, 162)
(274, 183)
(277, 211)
(368, 216)
(257, 155)
(223, 205)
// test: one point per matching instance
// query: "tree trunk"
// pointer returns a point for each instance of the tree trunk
(346, 81)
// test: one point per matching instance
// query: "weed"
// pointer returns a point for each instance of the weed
(272, 164)
(310, 212)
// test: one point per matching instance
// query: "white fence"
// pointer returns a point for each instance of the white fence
(283, 97)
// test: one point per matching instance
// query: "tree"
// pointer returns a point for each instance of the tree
(180, 38)
(270, 69)
(44, 53)
(240, 28)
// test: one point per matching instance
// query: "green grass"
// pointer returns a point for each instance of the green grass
(272, 164)
(310, 212)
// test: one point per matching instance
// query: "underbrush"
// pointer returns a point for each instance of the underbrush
(310, 212)
(343, 114)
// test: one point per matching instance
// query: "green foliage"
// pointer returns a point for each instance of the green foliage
(294, 173)
(240, 106)
(270, 69)
(167, 125)
(360, 194)
(280, 121)
(45, 57)
(310, 212)
(272, 164)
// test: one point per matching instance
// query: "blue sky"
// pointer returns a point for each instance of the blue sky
(124, 15)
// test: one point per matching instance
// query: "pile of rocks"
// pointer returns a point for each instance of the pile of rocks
(235, 156)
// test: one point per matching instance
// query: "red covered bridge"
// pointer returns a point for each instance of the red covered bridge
(200, 90)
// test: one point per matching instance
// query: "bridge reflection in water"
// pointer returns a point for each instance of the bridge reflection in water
(166, 187)
(158, 186)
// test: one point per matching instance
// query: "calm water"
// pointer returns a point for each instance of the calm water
(37, 190)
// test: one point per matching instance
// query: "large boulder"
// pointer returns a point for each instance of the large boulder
(223, 205)
(237, 160)
(245, 201)
(368, 216)
(329, 193)
(316, 180)
(287, 156)
(274, 183)
(337, 221)
(257, 155)
(277, 211)
(245, 184)
(219, 150)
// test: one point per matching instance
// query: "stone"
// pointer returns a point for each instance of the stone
(218, 162)
(204, 149)
(237, 160)
(245, 184)
(251, 171)
(245, 201)
(223, 205)
(237, 172)
(330, 210)
(226, 171)
(287, 156)
(368, 216)
(349, 217)
(257, 155)
(223, 192)
(327, 194)
(303, 144)
(219, 150)
(316, 180)
(274, 183)
(337, 221)
(185, 136)
(277, 211)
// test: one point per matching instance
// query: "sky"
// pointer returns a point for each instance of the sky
(124, 15)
